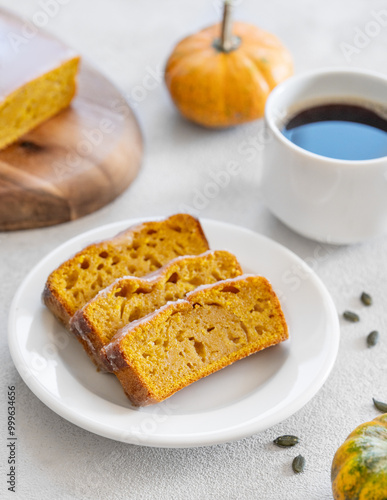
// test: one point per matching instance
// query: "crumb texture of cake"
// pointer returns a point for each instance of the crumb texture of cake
(138, 251)
(184, 341)
(38, 80)
(130, 298)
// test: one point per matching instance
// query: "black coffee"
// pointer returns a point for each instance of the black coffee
(341, 131)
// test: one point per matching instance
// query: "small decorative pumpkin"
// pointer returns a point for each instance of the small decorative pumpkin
(359, 467)
(222, 75)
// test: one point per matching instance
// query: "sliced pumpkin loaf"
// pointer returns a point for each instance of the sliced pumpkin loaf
(130, 298)
(139, 250)
(191, 338)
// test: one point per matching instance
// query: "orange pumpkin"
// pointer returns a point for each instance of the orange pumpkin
(219, 78)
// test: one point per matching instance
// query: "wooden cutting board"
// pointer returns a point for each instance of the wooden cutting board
(74, 163)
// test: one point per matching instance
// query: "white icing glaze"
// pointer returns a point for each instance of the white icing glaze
(76, 328)
(26, 53)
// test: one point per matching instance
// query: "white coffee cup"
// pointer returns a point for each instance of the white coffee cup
(328, 200)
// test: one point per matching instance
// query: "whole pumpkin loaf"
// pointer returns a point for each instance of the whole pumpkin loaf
(130, 298)
(138, 251)
(191, 338)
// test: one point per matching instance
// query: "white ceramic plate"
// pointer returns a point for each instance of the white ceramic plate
(240, 400)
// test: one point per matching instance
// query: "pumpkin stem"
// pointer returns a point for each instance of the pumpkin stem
(227, 42)
(226, 35)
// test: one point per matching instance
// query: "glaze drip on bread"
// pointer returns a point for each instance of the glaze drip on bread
(191, 338)
(131, 298)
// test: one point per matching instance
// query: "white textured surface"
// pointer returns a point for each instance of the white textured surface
(126, 39)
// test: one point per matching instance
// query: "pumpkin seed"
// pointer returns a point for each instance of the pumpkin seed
(380, 406)
(286, 441)
(366, 299)
(298, 464)
(351, 316)
(372, 338)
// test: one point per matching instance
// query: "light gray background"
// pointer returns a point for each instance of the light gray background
(128, 40)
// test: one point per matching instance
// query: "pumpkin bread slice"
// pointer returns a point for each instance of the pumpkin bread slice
(130, 298)
(138, 251)
(191, 338)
